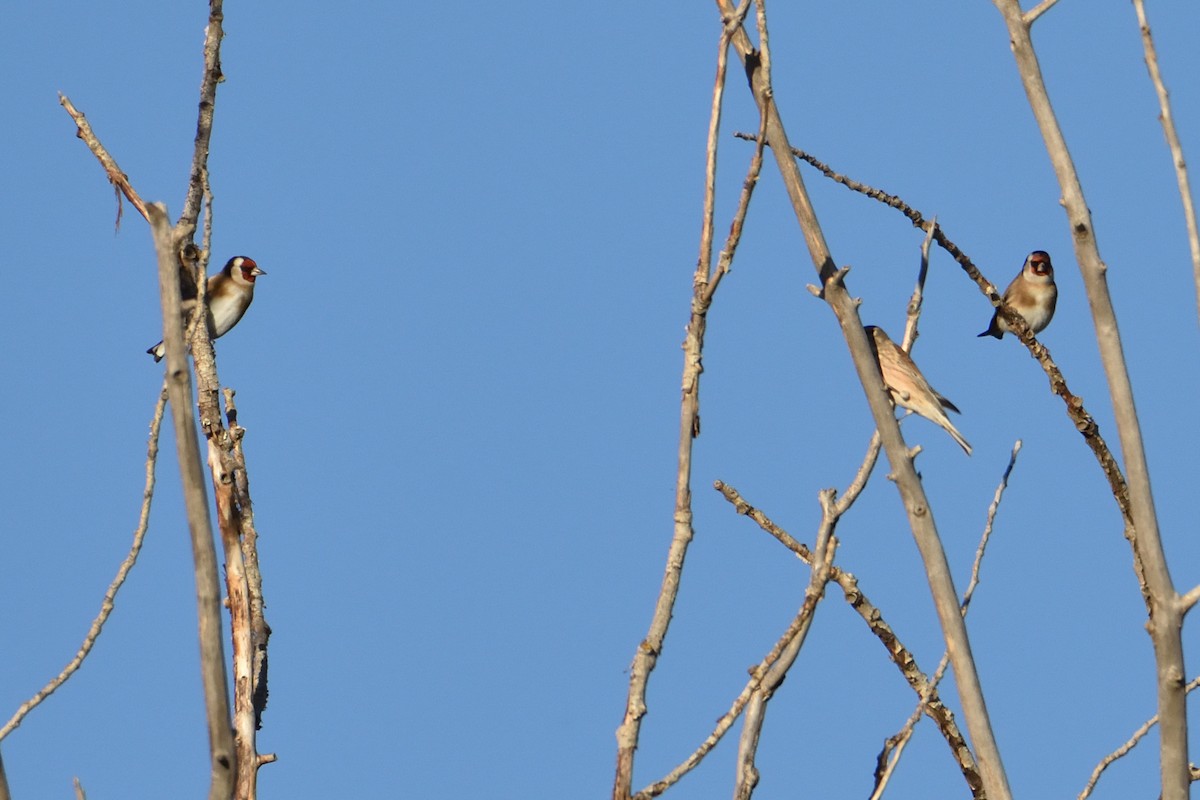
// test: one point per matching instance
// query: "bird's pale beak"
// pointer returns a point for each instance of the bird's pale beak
(258, 271)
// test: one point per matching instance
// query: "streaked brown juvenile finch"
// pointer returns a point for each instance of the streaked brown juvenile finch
(1032, 294)
(908, 386)
(230, 293)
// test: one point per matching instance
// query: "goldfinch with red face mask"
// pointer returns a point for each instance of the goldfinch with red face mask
(1032, 294)
(230, 293)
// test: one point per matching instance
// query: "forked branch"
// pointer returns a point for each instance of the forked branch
(704, 286)
(908, 483)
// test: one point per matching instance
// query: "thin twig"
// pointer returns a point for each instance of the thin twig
(895, 744)
(116, 176)
(913, 315)
(987, 527)
(213, 34)
(110, 596)
(859, 482)
(223, 757)
(757, 675)
(903, 658)
(1188, 600)
(1124, 749)
(754, 715)
(1041, 8)
(726, 721)
(260, 631)
(1173, 143)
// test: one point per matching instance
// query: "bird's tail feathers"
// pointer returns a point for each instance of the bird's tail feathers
(946, 404)
(958, 437)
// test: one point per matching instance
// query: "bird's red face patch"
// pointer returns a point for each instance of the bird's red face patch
(1039, 262)
(249, 269)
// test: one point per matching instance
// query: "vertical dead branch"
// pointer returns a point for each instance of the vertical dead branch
(705, 282)
(1164, 604)
(249, 650)
(260, 631)
(208, 590)
(228, 518)
(908, 483)
(249, 631)
(213, 34)
(1173, 144)
(225, 457)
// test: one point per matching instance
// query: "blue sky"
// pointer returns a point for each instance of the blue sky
(460, 382)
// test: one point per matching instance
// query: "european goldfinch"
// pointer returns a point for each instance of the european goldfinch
(230, 293)
(1032, 294)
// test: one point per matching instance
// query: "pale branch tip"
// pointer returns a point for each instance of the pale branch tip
(119, 180)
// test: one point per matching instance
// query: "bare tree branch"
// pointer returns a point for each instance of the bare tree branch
(1082, 420)
(213, 34)
(223, 468)
(1166, 616)
(116, 176)
(208, 592)
(859, 482)
(913, 312)
(1124, 749)
(1173, 143)
(726, 721)
(705, 282)
(757, 675)
(756, 708)
(1041, 8)
(260, 631)
(895, 744)
(110, 596)
(907, 481)
(1188, 600)
(226, 459)
(901, 656)
(746, 770)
